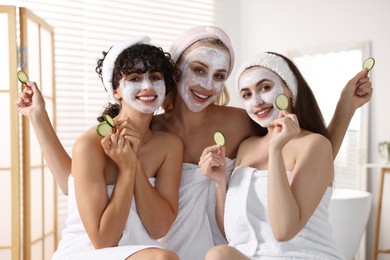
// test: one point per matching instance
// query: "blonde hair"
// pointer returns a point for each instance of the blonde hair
(224, 98)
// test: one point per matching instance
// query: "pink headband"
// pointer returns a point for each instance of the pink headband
(190, 36)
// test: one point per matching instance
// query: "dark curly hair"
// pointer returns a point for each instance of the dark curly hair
(153, 59)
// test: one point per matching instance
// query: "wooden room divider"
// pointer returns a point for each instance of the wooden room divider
(28, 202)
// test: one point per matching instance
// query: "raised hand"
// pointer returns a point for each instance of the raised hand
(213, 164)
(358, 90)
(30, 99)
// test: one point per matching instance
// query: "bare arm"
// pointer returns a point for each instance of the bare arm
(213, 165)
(355, 94)
(104, 218)
(31, 104)
(221, 190)
(158, 206)
(292, 203)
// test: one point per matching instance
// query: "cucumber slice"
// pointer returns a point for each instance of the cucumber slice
(22, 76)
(369, 63)
(281, 101)
(219, 138)
(103, 129)
(109, 120)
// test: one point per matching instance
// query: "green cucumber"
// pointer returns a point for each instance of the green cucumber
(109, 120)
(22, 76)
(219, 138)
(369, 63)
(281, 101)
(104, 129)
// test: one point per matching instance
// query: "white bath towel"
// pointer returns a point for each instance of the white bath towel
(247, 224)
(195, 229)
(75, 243)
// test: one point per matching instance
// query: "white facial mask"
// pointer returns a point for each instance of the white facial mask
(215, 60)
(150, 101)
(261, 105)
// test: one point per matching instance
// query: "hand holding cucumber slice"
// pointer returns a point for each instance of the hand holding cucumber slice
(219, 138)
(369, 63)
(105, 128)
(22, 76)
(281, 101)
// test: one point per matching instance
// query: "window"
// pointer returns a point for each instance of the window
(327, 72)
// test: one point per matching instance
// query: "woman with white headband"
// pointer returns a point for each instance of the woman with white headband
(123, 190)
(276, 205)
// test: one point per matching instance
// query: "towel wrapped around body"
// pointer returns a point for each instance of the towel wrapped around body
(195, 229)
(248, 229)
(75, 243)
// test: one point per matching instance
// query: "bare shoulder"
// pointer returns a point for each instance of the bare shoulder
(88, 142)
(316, 139)
(249, 142)
(234, 113)
(313, 142)
(168, 140)
(88, 157)
(248, 146)
(235, 118)
(167, 152)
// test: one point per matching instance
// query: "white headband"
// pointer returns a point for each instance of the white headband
(275, 63)
(109, 61)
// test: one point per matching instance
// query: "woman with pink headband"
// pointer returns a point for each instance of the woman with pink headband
(194, 111)
(276, 206)
(205, 57)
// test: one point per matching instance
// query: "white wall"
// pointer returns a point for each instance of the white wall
(282, 25)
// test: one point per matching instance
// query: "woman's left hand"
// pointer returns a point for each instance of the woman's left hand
(119, 149)
(358, 90)
(286, 127)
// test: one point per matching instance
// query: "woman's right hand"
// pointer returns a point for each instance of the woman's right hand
(286, 128)
(30, 99)
(127, 129)
(212, 163)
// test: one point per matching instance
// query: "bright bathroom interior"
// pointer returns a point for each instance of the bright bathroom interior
(328, 40)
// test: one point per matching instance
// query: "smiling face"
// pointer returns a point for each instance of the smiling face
(144, 92)
(204, 71)
(258, 88)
